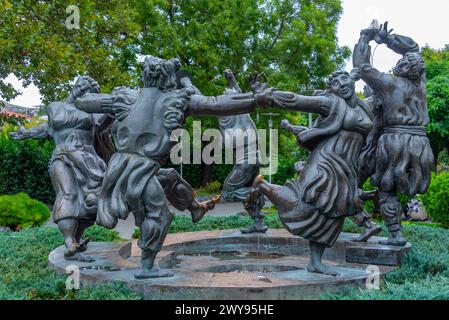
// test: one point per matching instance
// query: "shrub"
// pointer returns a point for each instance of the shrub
(213, 187)
(20, 211)
(423, 275)
(24, 167)
(436, 200)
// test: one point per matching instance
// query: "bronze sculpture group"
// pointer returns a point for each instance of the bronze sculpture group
(353, 139)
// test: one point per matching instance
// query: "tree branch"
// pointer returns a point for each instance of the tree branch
(276, 38)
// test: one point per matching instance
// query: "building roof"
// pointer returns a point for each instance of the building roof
(12, 109)
(14, 114)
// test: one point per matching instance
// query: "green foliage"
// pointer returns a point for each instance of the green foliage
(24, 273)
(423, 275)
(221, 172)
(292, 41)
(4, 119)
(436, 200)
(20, 211)
(213, 187)
(24, 167)
(437, 72)
(100, 234)
(210, 223)
(368, 205)
(36, 46)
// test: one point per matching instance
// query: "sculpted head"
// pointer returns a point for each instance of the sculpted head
(158, 73)
(342, 84)
(410, 66)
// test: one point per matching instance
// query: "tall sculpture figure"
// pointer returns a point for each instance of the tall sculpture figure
(179, 193)
(315, 205)
(404, 158)
(76, 170)
(247, 163)
(142, 135)
(237, 185)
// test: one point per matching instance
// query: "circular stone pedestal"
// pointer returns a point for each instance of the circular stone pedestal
(228, 265)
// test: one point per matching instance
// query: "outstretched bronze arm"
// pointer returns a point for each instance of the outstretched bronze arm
(118, 103)
(38, 132)
(397, 43)
(295, 102)
(226, 105)
(95, 103)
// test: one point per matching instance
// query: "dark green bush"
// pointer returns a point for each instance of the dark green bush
(20, 211)
(24, 167)
(436, 200)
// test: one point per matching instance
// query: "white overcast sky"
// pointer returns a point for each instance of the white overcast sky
(426, 21)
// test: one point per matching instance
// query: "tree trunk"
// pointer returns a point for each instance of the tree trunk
(206, 176)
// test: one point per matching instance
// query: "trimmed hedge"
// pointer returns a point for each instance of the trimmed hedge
(20, 211)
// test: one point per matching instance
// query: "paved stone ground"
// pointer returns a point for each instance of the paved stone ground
(222, 209)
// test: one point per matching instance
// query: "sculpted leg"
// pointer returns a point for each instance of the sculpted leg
(278, 195)
(391, 211)
(154, 222)
(236, 188)
(153, 233)
(68, 229)
(255, 212)
(181, 195)
(82, 226)
(371, 229)
(66, 210)
(316, 265)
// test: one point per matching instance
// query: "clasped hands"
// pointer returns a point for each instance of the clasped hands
(262, 92)
(376, 32)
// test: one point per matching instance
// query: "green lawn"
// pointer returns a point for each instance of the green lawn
(24, 273)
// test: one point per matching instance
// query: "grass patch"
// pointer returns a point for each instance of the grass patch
(424, 274)
(24, 273)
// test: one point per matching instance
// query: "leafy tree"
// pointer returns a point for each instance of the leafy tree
(293, 42)
(37, 47)
(437, 71)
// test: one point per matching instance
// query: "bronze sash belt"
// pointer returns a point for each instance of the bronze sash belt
(412, 130)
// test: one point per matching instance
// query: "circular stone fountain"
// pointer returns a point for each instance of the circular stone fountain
(228, 265)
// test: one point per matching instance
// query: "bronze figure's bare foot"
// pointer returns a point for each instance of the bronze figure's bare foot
(254, 204)
(204, 207)
(82, 247)
(257, 227)
(396, 239)
(79, 256)
(258, 181)
(368, 233)
(322, 269)
(153, 273)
